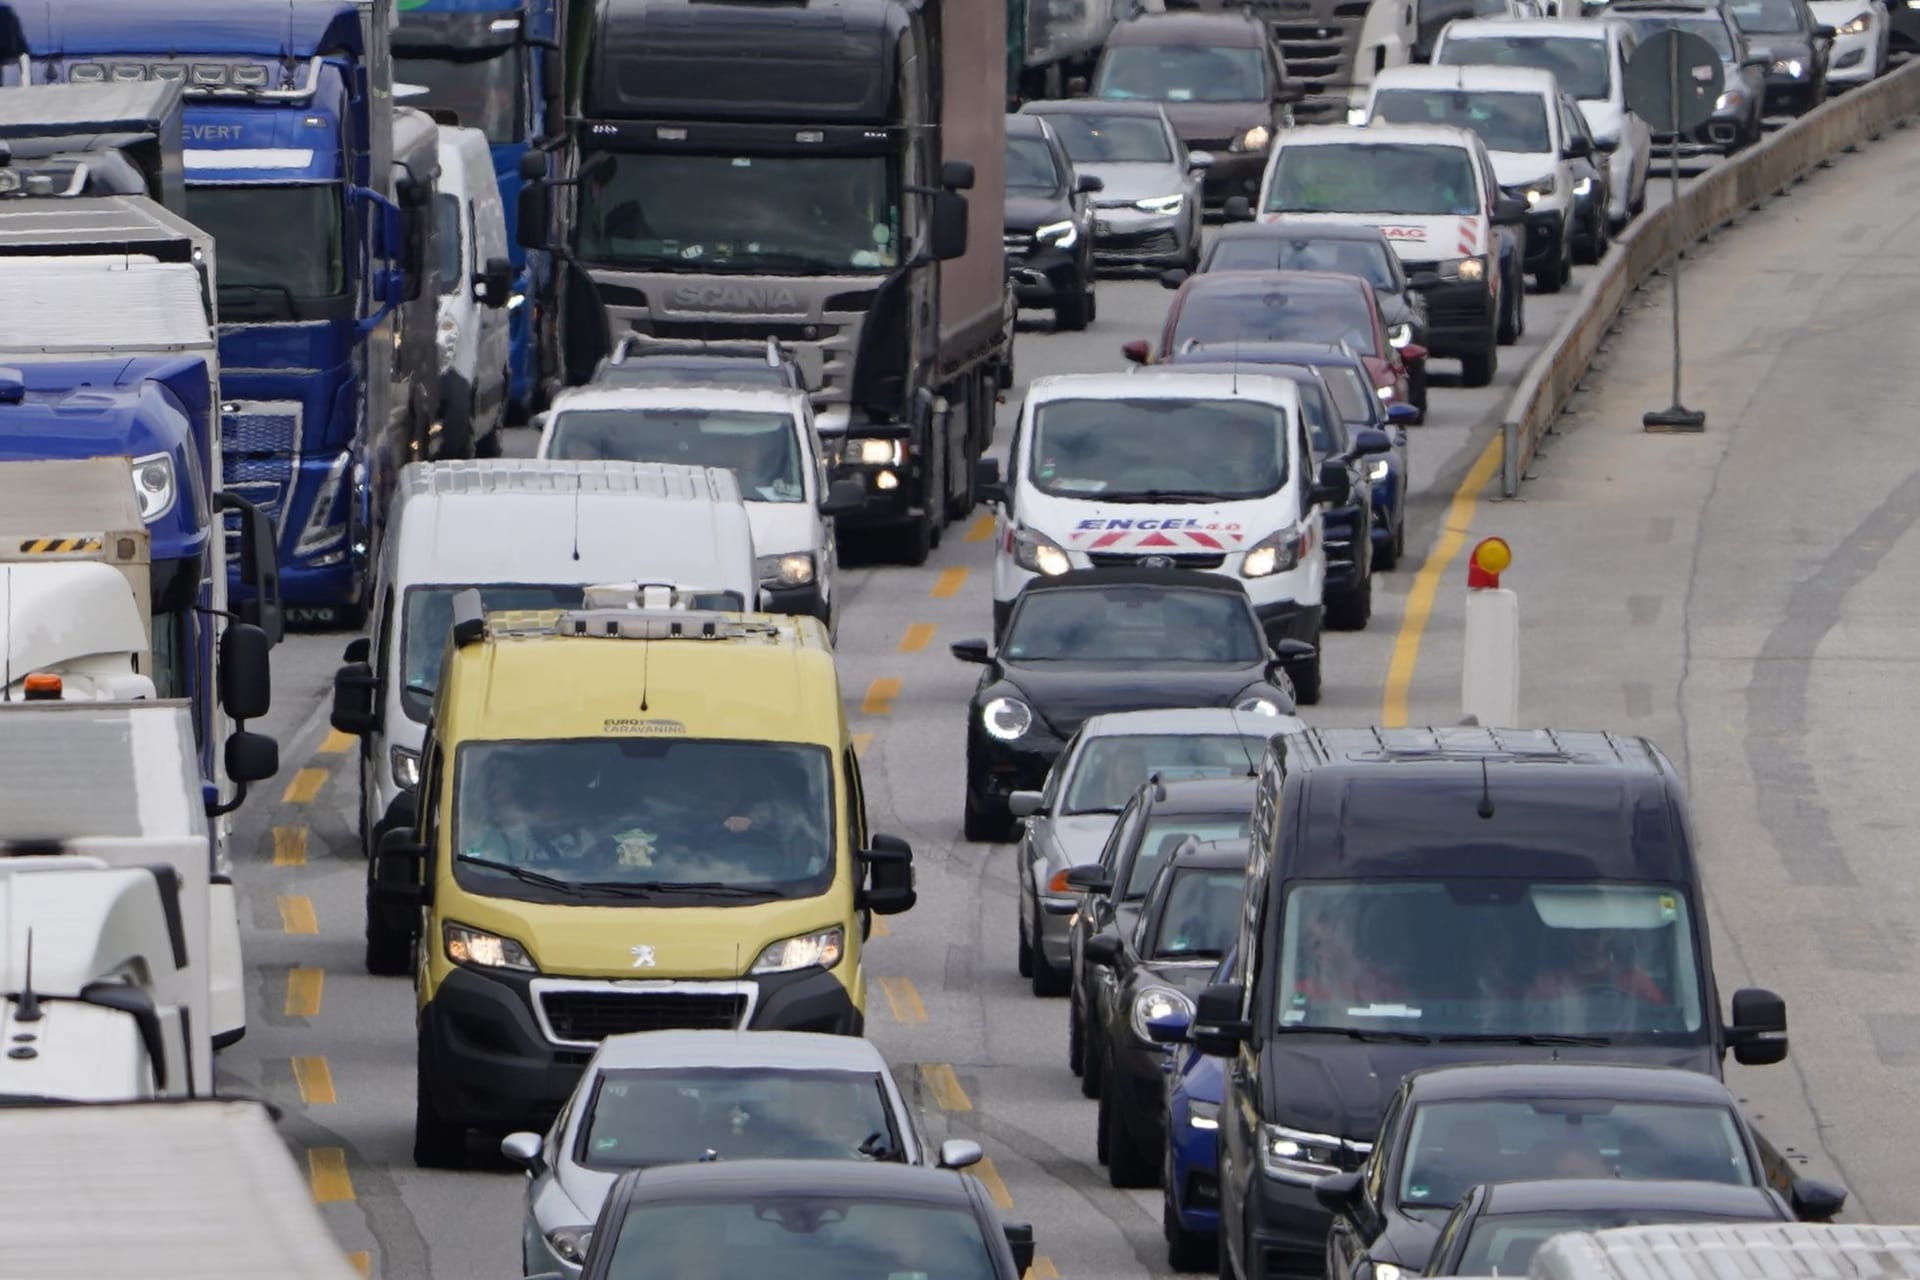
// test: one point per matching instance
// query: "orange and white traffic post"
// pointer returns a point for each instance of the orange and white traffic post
(1490, 675)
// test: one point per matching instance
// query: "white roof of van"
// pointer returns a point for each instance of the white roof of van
(1472, 78)
(1477, 28)
(1252, 385)
(680, 396)
(1376, 135)
(476, 476)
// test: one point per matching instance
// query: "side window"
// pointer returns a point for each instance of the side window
(1303, 464)
(383, 637)
(432, 771)
(856, 805)
(1056, 776)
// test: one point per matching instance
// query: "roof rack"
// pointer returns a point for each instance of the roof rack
(635, 345)
(617, 611)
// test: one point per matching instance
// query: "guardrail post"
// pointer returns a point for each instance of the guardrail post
(1490, 671)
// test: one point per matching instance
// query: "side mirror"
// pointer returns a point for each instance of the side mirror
(259, 567)
(1824, 32)
(889, 888)
(1290, 651)
(948, 233)
(1338, 1192)
(1088, 183)
(1333, 487)
(359, 649)
(1077, 87)
(246, 672)
(1137, 351)
(403, 813)
(1238, 209)
(1199, 161)
(1020, 1240)
(843, 497)
(1413, 351)
(1423, 280)
(525, 1150)
(533, 232)
(1102, 949)
(1815, 1201)
(251, 757)
(987, 482)
(970, 650)
(1023, 804)
(1368, 441)
(1758, 1033)
(1173, 277)
(1168, 1028)
(1577, 149)
(1508, 212)
(1218, 1030)
(1091, 878)
(533, 166)
(1401, 414)
(356, 694)
(495, 283)
(960, 1153)
(397, 867)
(956, 175)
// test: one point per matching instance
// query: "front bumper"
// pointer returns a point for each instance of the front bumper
(1852, 58)
(1126, 237)
(1340, 530)
(1546, 229)
(996, 769)
(1056, 928)
(1792, 94)
(1285, 1232)
(1460, 318)
(1715, 136)
(1195, 1180)
(797, 600)
(892, 488)
(1041, 275)
(1233, 173)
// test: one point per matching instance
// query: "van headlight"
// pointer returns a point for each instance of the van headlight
(1295, 1156)
(1792, 68)
(1061, 235)
(1379, 469)
(1275, 553)
(1538, 191)
(483, 950)
(1253, 139)
(1037, 553)
(154, 485)
(795, 569)
(1203, 1115)
(1157, 1002)
(1584, 187)
(820, 949)
(1007, 719)
(406, 768)
(1469, 269)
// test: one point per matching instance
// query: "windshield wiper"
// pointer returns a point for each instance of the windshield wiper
(876, 1147)
(519, 873)
(1161, 495)
(653, 888)
(1364, 1034)
(1548, 1039)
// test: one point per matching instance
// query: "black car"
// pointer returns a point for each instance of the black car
(1497, 1227)
(1592, 186)
(1095, 640)
(1297, 243)
(1160, 818)
(1447, 1129)
(1145, 974)
(1796, 45)
(802, 1220)
(1736, 119)
(643, 361)
(1049, 224)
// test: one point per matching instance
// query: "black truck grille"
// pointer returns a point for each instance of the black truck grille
(1317, 42)
(595, 1015)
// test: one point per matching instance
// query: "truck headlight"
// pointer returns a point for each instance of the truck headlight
(320, 530)
(485, 950)
(795, 569)
(1037, 553)
(1275, 553)
(1294, 1156)
(820, 949)
(878, 453)
(1157, 1002)
(569, 1244)
(154, 485)
(1061, 235)
(1006, 719)
(1163, 205)
(406, 768)
(1253, 139)
(1400, 335)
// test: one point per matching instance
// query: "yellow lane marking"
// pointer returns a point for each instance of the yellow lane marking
(981, 529)
(918, 637)
(327, 1175)
(949, 583)
(315, 1079)
(1043, 1269)
(362, 1262)
(296, 914)
(861, 741)
(303, 992)
(289, 846)
(880, 696)
(903, 999)
(336, 743)
(305, 786)
(990, 1179)
(881, 929)
(944, 1085)
(1426, 584)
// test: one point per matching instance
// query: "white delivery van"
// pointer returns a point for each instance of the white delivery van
(764, 435)
(1776, 1251)
(1207, 471)
(530, 534)
(476, 286)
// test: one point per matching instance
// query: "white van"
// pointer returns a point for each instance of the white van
(476, 284)
(1205, 471)
(530, 534)
(765, 435)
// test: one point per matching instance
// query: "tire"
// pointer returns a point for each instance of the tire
(1076, 1038)
(1478, 370)
(1553, 279)
(456, 429)
(1047, 981)
(918, 541)
(1128, 1164)
(1092, 1077)
(1386, 556)
(1023, 952)
(1351, 610)
(1102, 1134)
(937, 498)
(438, 1143)
(1306, 678)
(1186, 1250)
(1514, 323)
(1074, 312)
(1417, 387)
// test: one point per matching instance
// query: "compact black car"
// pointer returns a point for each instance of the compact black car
(1449, 1128)
(1146, 974)
(1095, 640)
(643, 361)
(1797, 45)
(1049, 224)
(1592, 186)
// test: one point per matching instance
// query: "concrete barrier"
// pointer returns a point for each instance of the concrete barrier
(1710, 200)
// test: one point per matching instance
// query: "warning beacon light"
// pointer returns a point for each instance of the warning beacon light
(1491, 557)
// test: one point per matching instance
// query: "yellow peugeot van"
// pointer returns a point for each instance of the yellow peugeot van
(634, 815)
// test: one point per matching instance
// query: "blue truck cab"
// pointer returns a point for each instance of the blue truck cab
(494, 66)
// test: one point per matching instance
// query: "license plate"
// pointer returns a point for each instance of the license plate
(1102, 228)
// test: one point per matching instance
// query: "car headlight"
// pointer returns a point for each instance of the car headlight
(1006, 718)
(1857, 27)
(1293, 1156)
(1161, 204)
(1378, 469)
(1584, 187)
(1357, 116)
(406, 768)
(1275, 553)
(1259, 706)
(485, 950)
(1253, 139)
(1385, 393)
(795, 569)
(1157, 1002)
(1791, 67)
(820, 949)
(1468, 269)
(1538, 191)
(878, 453)
(1037, 553)
(1203, 1115)
(569, 1244)
(1729, 100)
(1387, 1271)
(1061, 235)
(449, 339)
(154, 485)
(1400, 335)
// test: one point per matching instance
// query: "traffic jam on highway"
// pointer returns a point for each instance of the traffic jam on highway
(566, 365)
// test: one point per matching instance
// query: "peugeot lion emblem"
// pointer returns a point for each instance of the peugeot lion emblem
(642, 957)
(1158, 562)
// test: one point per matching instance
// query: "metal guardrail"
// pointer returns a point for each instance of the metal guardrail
(1708, 201)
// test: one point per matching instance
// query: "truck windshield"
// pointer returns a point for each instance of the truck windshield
(427, 617)
(780, 215)
(1579, 64)
(762, 449)
(1504, 121)
(1492, 957)
(1121, 450)
(1182, 73)
(279, 246)
(483, 90)
(643, 817)
(1414, 179)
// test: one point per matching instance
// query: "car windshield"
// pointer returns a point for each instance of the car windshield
(1182, 73)
(1768, 17)
(646, 815)
(1097, 139)
(1157, 449)
(1504, 121)
(1277, 312)
(1579, 64)
(1416, 179)
(1107, 771)
(446, 213)
(678, 1115)
(1504, 1244)
(1166, 832)
(799, 1235)
(1201, 915)
(761, 449)
(1134, 622)
(1371, 260)
(483, 91)
(1491, 957)
(279, 246)
(1031, 167)
(1451, 1146)
(427, 616)
(1713, 31)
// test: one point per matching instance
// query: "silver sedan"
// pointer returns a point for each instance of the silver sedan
(1067, 823)
(1147, 213)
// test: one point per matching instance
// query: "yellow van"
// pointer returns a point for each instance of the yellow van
(635, 815)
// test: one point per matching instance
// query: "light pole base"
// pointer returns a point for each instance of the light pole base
(1675, 418)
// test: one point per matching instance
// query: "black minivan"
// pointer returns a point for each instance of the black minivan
(1419, 897)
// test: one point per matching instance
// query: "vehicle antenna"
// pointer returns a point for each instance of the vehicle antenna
(29, 1010)
(1253, 767)
(6, 692)
(579, 483)
(646, 664)
(1486, 793)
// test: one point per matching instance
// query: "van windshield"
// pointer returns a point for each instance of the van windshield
(1182, 73)
(1128, 451)
(1492, 957)
(1505, 121)
(643, 817)
(1415, 179)
(761, 449)
(428, 615)
(1580, 64)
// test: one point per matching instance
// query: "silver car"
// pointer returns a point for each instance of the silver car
(1147, 212)
(1095, 775)
(677, 1097)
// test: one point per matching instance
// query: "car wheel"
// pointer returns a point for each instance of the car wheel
(1509, 330)
(1600, 238)
(1076, 1034)
(1306, 677)
(1047, 980)
(1386, 556)
(1553, 278)
(1351, 610)
(1128, 1163)
(917, 542)
(438, 1143)
(1478, 370)
(1186, 1250)
(1023, 955)
(1091, 1081)
(1073, 312)
(1102, 1133)
(1417, 387)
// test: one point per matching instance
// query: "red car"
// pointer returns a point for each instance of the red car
(1220, 308)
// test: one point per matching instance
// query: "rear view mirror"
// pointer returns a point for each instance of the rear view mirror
(356, 695)
(494, 285)
(251, 757)
(525, 1150)
(1413, 352)
(1824, 32)
(1508, 212)
(246, 672)
(1758, 1032)
(1199, 161)
(1338, 1191)
(395, 881)
(1333, 486)
(1102, 949)
(969, 650)
(959, 1153)
(949, 228)
(533, 166)
(532, 231)
(1238, 209)
(1023, 804)
(1091, 878)
(1371, 440)
(1137, 351)
(1815, 1201)
(1088, 183)
(1400, 414)
(1020, 1240)
(956, 175)
(987, 483)
(889, 888)
(1218, 1029)
(259, 567)
(1577, 148)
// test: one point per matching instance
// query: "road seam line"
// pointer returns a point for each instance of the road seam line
(880, 696)
(305, 786)
(289, 846)
(296, 914)
(948, 584)
(315, 1079)
(335, 743)
(918, 637)
(944, 1085)
(903, 999)
(327, 1175)
(304, 987)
